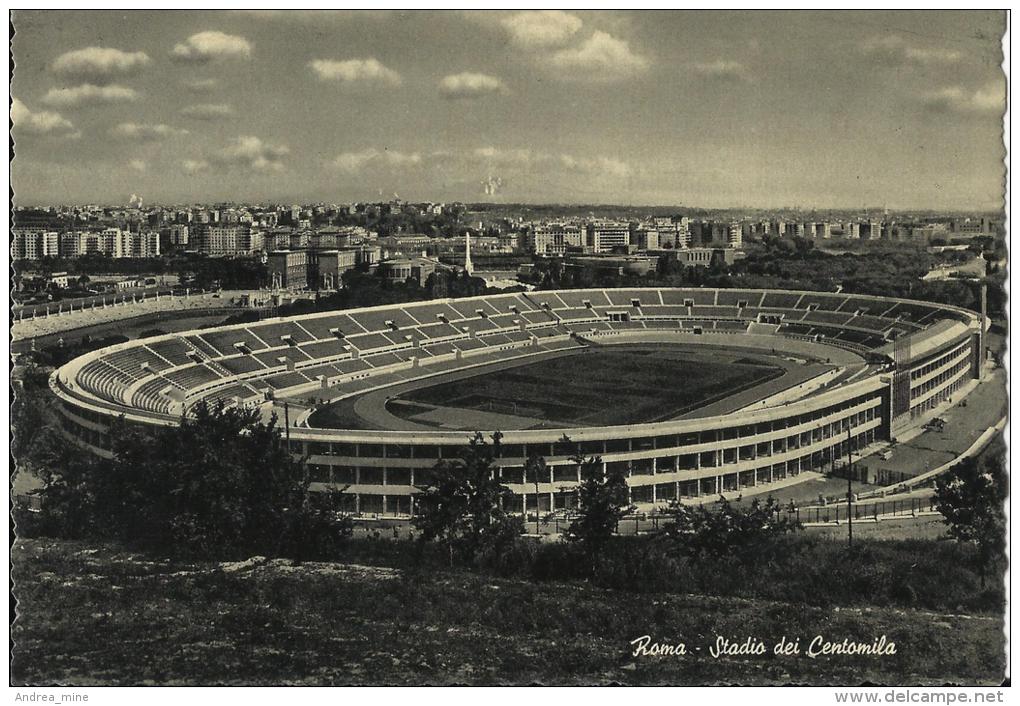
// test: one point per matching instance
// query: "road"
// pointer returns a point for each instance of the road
(985, 406)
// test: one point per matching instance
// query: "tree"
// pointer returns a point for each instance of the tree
(699, 531)
(462, 504)
(220, 484)
(602, 499)
(30, 411)
(69, 504)
(971, 498)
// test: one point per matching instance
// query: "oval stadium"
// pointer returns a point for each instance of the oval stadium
(691, 392)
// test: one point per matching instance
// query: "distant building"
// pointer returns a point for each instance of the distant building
(647, 238)
(332, 265)
(636, 265)
(603, 236)
(249, 240)
(672, 235)
(145, 244)
(217, 240)
(34, 245)
(925, 234)
(972, 226)
(506, 243)
(402, 269)
(555, 238)
(59, 280)
(70, 244)
(735, 235)
(288, 269)
(107, 242)
(711, 233)
(702, 257)
(368, 255)
(173, 237)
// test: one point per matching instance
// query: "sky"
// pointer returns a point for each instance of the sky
(700, 109)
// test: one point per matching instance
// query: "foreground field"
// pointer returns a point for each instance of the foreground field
(91, 615)
(601, 386)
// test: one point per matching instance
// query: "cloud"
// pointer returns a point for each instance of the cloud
(99, 65)
(542, 28)
(316, 16)
(145, 133)
(194, 166)
(470, 85)
(603, 166)
(989, 99)
(355, 70)
(89, 94)
(201, 85)
(722, 69)
(894, 50)
(353, 162)
(601, 57)
(496, 156)
(138, 165)
(207, 111)
(211, 46)
(249, 152)
(43, 122)
(511, 159)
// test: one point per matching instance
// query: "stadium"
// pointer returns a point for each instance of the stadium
(690, 392)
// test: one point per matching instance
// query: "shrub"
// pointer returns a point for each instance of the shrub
(462, 505)
(702, 532)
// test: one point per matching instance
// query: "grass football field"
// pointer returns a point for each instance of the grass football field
(603, 386)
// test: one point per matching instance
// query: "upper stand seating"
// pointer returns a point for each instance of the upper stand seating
(491, 329)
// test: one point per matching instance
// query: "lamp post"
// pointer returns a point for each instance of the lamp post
(536, 465)
(286, 423)
(849, 493)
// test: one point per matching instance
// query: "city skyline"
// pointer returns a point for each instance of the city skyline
(715, 109)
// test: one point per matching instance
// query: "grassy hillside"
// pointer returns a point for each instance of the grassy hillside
(93, 614)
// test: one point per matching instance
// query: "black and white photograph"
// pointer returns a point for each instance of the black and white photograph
(520, 347)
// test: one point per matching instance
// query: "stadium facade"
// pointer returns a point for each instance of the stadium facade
(911, 357)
